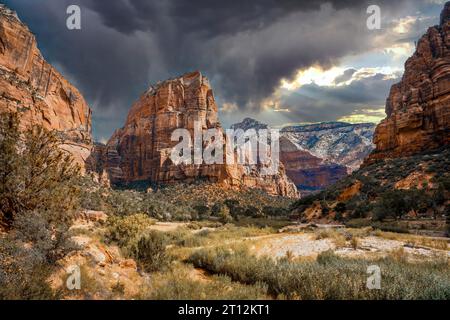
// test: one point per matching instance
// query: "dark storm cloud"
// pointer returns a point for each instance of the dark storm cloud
(244, 47)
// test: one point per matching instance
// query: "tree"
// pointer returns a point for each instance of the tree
(447, 220)
(221, 210)
(395, 203)
(39, 194)
(437, 199)
(9, 162)
(35, 174)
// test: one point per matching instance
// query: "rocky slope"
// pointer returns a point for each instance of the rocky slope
(31, 87)
(140, 151)
(418, 113)
(317, 155)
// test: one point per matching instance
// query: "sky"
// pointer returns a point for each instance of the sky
(282, 62)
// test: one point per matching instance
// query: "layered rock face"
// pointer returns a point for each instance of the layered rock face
(418, 108)
(317, 155)
(37, 92)
(141, 150)
(308, 172)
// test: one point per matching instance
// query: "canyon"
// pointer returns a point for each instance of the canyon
(313, 156)
(40, 95)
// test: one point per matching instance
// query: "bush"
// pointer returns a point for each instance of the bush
(179, 285)
(447, 220)
(24, 271)
(39, 194)
(202, 210)
(330, 276)
(35, 174)
(150, 251)
(92, 197)
(274, 211)
(125, 202)
(125, 230)
(221, 211)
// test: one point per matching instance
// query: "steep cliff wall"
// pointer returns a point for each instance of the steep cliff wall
(38, 92)
(418, 108)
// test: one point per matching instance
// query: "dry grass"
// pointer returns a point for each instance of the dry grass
(336, 236)
(354, 242)
(330, 276)
(179, 284)
(414, 240)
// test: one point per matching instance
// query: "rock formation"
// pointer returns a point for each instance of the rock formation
(140, 151)
(317, 155)
(37, 92)
(417, 109)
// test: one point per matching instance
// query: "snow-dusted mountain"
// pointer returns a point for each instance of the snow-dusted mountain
(317, 155)
(335, 142)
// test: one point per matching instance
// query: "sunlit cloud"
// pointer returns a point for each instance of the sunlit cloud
(229, 107)
(365, 115)
(328, 78)
(282, 110)
(405, 24)
(400, 51)
(315, 75)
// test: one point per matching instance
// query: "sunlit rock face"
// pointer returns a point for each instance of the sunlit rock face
(141, 150)
(418, 108)
(37, 91)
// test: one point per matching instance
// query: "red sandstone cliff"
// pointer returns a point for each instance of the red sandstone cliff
(140, 151)
(40, 94)
(418, 108)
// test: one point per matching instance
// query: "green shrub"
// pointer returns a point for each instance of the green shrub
(125, 230)
(221, 211)
(150, 251)
(202, 210)
(396, 203)
(35, 174)
(39, 194)
(23, 272)
(124, 202)
(447, 220)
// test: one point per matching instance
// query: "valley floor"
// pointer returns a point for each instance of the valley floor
(203, 257)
